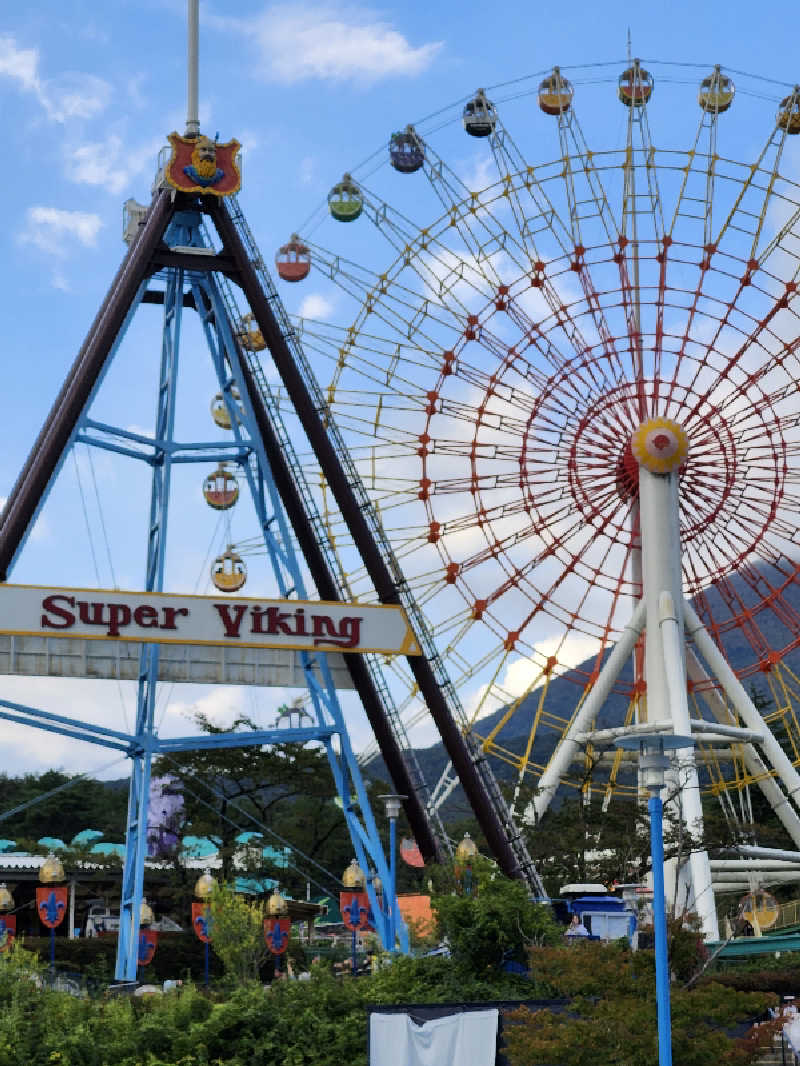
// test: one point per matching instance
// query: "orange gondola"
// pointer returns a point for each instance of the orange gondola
(293, 260)
(221, 489)
(635, 85)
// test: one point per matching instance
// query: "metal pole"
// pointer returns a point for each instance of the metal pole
(392, 881)
(192, 112)
(52, 949)
(353, 964)
(656, 809)
(206, 969)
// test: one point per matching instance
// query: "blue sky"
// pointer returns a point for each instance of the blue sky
(88, 94)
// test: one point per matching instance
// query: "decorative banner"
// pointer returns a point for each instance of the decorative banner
(161, 618)
(199, 164)
(355, 909)
(51, 904)
(410, 853)
(276, 934)
(8, 930)
(148, 942)
(201, 921)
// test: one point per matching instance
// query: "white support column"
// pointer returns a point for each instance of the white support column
(688, 781)
(788, 816)
(570, 744)
(660, 446)
(741, 702)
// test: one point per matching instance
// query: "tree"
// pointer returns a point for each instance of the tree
(284, 791)
(84, 804)
(496, 922)
(237, 933)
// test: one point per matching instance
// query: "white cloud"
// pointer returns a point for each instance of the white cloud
(301, 42)
(307, 170)
(71, 95)
(316, 306)
(111, 164)
(54, 230)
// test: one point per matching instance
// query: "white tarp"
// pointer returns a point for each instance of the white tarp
(465, 1039)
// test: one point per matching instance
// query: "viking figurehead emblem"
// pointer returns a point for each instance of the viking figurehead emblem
(203, 169)
(200, 164)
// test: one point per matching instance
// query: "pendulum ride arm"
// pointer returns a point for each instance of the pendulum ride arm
(37, 474)
(501, 835)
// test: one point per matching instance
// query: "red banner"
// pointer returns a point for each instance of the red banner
(199, 164)
(148, 942)
(8, 930)
(201, 921)
(276, 934)
(355, 909)
(51, 904)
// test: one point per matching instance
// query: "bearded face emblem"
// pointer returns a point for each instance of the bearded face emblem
(203, 169)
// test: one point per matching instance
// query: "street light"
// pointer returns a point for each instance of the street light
(51, 899)
(354, 904)
(277, 926)
(653, 764)
(466, 852)
(8, 922)
(201, 920)
(392, 803)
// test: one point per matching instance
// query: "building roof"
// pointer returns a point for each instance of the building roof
(417, 913)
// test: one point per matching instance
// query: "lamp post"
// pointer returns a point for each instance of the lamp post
(354, 903)
(8, 922)
(465, 854)
(201, 918)
(392, 804)
(51, 899)
(148, 938)
(277, 926)
(653, 764)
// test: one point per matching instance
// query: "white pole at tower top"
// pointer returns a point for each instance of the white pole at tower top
(192, 116)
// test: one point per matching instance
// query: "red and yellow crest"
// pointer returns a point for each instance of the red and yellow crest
(199, 164)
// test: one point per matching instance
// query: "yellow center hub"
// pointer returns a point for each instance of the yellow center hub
(660, 445)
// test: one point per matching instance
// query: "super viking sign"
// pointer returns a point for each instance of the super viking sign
(161, 618)
(200, 165)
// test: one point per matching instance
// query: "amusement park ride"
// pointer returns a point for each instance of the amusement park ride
(558, 442)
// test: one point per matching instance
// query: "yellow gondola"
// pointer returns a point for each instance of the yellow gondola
(789, 112)
(219, 410)
(716, 92)
(249, 335)
(228, 571)
(555, 93)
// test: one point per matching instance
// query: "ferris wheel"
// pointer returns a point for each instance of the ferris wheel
(503, 366)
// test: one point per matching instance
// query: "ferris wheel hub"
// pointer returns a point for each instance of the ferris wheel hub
(660, 445)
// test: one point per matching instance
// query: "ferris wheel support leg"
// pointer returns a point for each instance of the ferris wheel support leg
(691, 804)
(741, 702)
(570, 745)
(771, 790)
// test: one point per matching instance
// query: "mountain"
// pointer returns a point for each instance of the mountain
(748, 615)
